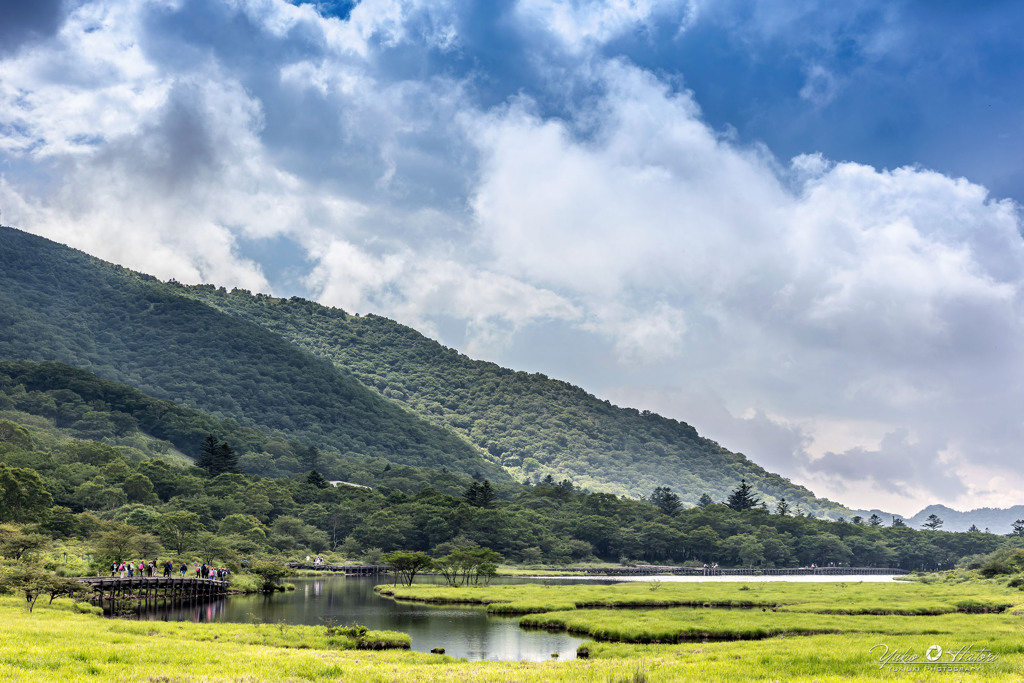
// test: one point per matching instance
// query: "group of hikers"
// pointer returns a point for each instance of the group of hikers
(130, 569)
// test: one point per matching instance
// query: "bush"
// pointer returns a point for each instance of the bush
(1002, 561)
(270, 573)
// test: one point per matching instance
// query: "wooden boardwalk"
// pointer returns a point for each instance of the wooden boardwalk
(652, 569)
(640, 570)
(347, 569)
(146, 588)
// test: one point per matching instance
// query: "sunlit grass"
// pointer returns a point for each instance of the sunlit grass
(675, 625)
(840, 598)
(57, 643)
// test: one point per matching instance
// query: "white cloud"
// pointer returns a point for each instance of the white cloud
(820, 86)
(829, 290)
(419, 288)
(579, 24)
(155, 170)
(89, 84)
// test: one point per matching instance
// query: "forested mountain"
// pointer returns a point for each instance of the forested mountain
(127, 497)
(534, 425)
(356, 387)
(75, 403)
(59, 304)
(89, 459)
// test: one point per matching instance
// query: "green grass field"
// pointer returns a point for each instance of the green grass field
(838, 598)
(60, 643)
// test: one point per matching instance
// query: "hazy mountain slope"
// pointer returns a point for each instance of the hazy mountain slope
(996, 520)
(62, 305)
(536, 426)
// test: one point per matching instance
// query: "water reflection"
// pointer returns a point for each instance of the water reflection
(463, 631)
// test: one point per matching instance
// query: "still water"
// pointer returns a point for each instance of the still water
(463, 631)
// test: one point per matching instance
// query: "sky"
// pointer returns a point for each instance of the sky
(794, 225)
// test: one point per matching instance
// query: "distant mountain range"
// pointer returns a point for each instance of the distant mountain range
(994, 520)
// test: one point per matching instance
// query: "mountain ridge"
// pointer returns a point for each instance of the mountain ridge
(439, 383)
(363, 385)
(60, 304)
(996, 520)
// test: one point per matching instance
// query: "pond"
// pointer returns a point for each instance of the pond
(463, 631)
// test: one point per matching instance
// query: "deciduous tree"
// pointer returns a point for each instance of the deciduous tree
(406, 564)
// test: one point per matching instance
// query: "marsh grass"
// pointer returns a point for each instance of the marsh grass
(850, 598)
(58, 643)
(676, 625)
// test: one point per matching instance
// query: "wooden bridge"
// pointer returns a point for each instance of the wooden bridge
(146, 588)
(640, 570)
(652, 569)
(347, 569)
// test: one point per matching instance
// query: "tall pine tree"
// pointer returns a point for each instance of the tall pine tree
(743, 497)
(217, 457)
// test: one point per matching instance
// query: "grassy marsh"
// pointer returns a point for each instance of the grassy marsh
(59, 643)
(906, 598)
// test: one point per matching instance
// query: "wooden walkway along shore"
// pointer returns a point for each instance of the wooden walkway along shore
(147, 588)
(641, 570)
(347, 569)
(650, 569)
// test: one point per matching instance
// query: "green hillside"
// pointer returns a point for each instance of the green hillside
(356, 387)
(533, 425)
(59, 304)
(63, 403)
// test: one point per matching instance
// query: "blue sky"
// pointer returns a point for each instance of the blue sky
(795, 225)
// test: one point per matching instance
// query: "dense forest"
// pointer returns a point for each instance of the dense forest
(58, 304)
(534, 426)
(85, 458)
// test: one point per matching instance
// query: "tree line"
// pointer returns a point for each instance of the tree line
(125, 504)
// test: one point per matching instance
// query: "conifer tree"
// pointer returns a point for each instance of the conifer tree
(217, 457)
(316, 479)
(743, 498)
(485, 496)
(472, 494)
(208, 453)
(667, 501)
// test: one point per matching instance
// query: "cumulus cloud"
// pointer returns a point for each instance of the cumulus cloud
(897, 463)
(158, 170)
(581, 24)
(420, 288)
(829, 289)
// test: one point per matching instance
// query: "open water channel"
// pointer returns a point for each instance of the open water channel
(463, 631)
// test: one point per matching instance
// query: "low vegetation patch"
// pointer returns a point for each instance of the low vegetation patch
(677, 625)
(903, 598)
